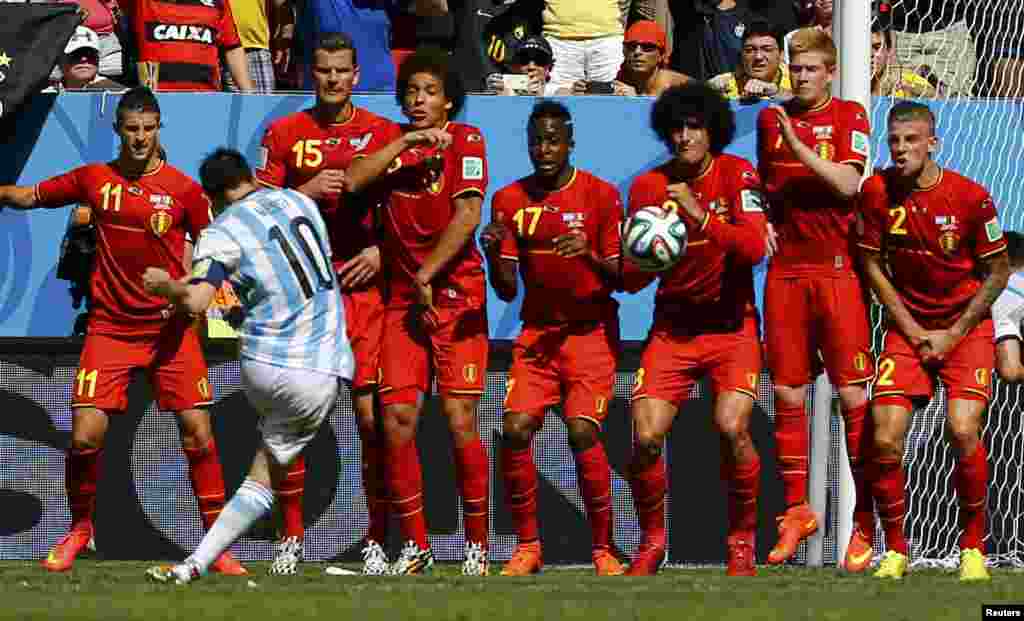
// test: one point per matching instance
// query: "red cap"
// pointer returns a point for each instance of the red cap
(646, 31)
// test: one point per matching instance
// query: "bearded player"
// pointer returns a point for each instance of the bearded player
(434, 174)
(935, 255)
(309, 151)
(705, 322)
(559, 229)
(145, 212)
(811, 154)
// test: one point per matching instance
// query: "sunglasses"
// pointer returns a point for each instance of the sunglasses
(645, 47)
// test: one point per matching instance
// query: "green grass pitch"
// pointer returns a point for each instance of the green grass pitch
(119, 590)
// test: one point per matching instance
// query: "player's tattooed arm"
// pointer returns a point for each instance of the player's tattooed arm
(890, 298)
(997, 268)
(17, 196)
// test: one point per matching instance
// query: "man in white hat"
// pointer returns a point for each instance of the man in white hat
(80, 64)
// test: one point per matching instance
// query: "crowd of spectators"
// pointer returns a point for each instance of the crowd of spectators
(534, 47)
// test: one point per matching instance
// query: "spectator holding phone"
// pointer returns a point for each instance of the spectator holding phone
(529, 70)
(643, 71)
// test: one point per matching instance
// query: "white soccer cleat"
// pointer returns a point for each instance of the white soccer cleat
(476, 560)
(181, 573)
(375, 561)
(290, 552)
(413, 560)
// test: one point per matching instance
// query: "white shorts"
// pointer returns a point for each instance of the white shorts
(292, 404)
(1008, 309)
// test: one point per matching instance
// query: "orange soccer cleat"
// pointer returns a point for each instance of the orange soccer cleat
(647, 559)
(741, 555)
(526, 559)
(62, 556)
(796, 524)
(605, 563)
(228, 565)
(858, 553)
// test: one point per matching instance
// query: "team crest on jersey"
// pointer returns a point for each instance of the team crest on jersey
(469, 372)
(332, 142)
(826, 150)
(160, 223)
(982, 376)
(949, 242)
(435, 182)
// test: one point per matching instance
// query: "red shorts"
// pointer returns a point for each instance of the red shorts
(672, 363)
(173, 362)
(364, 323)
(966, 372)
(571, 364)
(456, 348)
(806, 314)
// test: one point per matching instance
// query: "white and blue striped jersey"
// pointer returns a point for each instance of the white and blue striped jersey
(273, 245)
(1008, 309)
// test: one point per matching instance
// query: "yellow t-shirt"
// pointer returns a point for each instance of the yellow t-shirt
(910, 85)
(252, 24)
(729, 86)
(581, 19)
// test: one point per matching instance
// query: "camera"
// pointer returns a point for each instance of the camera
(600, 88)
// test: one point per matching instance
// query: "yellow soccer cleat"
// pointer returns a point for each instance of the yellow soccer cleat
(893, 566)
(972, 566)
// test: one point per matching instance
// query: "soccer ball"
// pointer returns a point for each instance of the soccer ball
(654, 239)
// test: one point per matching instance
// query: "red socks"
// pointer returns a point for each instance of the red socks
(82, 469)
(289, 494)
(207, 481)
(744, 481)
(791, 446)
(649, 497)
(378, 505)
(860, 432)
(595, 481)
(472, 472)
(888, 483)
(971, 475)
(405, 480)
(520, 478)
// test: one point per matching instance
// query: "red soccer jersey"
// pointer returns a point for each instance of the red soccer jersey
(932, 239)
(815, 226)
(140, 222)
(185, 37)
(558, 289)
(712, 286)
(421, 204)
(297, 147)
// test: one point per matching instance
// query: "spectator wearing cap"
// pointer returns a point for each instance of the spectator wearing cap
(532, 58)
(643, 71)
(761, 73)
(102, 17)
(80, 62)
(586, 38)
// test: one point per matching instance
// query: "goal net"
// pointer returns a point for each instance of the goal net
(971, 52)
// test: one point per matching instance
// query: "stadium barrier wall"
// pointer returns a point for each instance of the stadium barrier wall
(145, 507)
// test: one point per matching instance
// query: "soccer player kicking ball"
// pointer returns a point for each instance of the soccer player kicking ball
(935, 255)
(145, 212)
(272, 246)
(559, 228)
(811, 154)
(309, 151)
(433, 174)
(705, 322)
